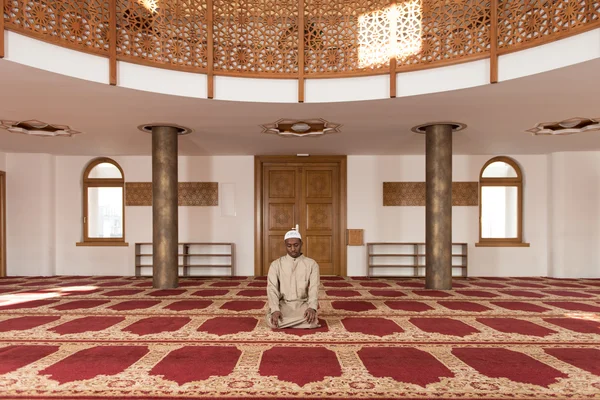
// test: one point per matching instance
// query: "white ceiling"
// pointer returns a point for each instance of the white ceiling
(496, 115)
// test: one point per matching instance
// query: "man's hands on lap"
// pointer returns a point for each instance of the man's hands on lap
(310, 315)
(275, 317)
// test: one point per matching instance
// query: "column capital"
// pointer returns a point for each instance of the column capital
(456, 126)
(181, 130)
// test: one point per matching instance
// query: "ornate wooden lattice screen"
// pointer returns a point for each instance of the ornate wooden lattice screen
(176, 35)
(522, 23)
(261, 37)
(79, 25)
(452, 31)
(256, 36)
(331, 30)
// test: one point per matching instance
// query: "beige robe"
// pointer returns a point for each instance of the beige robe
(293, 287)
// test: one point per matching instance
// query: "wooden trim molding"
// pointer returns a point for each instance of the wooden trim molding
(96, 244)
(210, 62)
(112, 42)
(2, 223)
(258, 215)
(412, 194)
(494, 42)
(393, 91)
(301, 38)
(501, 244)
(2, 32)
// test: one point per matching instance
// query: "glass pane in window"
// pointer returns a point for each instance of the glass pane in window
(499, 169)
(105, 170)
(499, 213)
(105, 212)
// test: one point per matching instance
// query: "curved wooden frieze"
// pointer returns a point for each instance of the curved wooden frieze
(263, 37)
(256, 37)
(526, 23)
(74, 24)
(331, 31)
(453, 31)
(174, 35)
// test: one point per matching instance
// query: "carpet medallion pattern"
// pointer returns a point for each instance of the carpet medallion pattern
(117, 337)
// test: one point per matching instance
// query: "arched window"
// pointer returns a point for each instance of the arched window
(501, 203)
(103, 203)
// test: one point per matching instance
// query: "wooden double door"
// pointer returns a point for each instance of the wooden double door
(309, 192)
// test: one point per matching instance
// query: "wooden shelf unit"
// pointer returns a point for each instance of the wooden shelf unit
(411, 256)
(191, 256)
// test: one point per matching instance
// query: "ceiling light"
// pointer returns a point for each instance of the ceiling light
(300, 128)
(37, 128)
(566, 127)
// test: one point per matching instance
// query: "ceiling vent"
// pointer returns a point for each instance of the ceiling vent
(566, 127)
(300, 128)
(38, 128)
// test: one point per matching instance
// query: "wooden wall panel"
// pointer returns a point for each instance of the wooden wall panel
(190, 194)
(413, 193)
(355, 237)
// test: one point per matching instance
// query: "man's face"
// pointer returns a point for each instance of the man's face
(293, 247)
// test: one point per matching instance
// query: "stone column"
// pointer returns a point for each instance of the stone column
(438, 204)
(165, 184)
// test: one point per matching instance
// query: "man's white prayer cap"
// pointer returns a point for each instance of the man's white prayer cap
(293, 234)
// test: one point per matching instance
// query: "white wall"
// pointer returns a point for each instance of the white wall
(366, 175)
(561, 213)
(574, 214)
(44, 211)
(198, 224)
(30, 217)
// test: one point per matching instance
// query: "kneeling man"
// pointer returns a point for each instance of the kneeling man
(293, 287)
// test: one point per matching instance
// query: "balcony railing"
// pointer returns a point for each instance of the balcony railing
(296, 39)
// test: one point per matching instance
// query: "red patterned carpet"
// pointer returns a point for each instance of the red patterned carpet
(117, 337)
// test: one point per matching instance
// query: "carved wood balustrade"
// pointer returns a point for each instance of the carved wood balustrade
(295, 39)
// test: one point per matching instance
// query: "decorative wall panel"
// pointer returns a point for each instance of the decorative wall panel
(355, 237)
(282, 184)
(319, 184)
(256, 36)
(281, 216)
(465, 193)
(190, 194)
(413, 193)
(319, 216)
(174, 34)
(81, 25)
(319, 248)
(138, 193)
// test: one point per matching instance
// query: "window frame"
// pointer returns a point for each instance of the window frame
(504, 182)
(101, 182)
